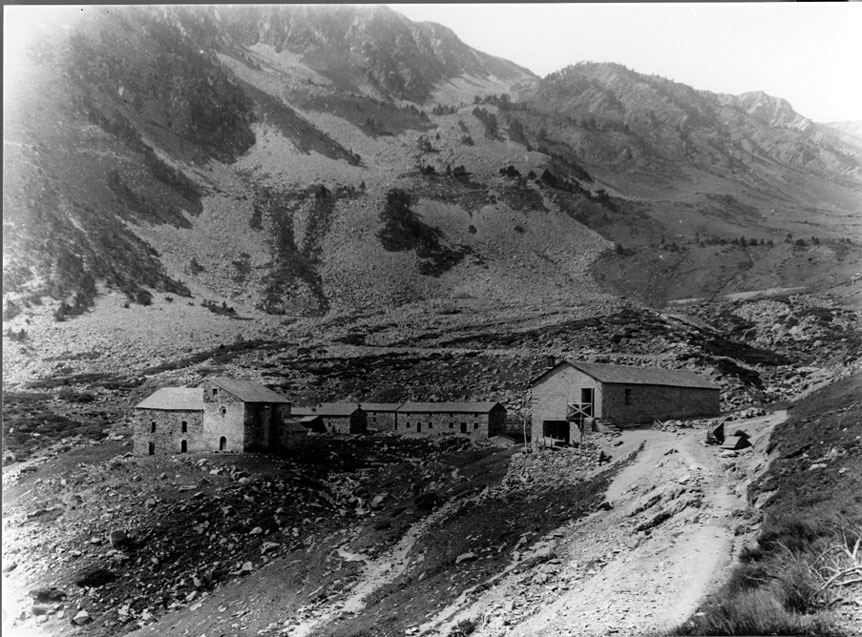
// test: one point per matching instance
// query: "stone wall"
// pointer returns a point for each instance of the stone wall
(285, 439)
(381, 420)
(476, 425)
(168, 435)
(550, 399)
(355, 423)
(224, 420)
(656, 402)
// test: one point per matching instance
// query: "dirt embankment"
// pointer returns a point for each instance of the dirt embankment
(673, 520)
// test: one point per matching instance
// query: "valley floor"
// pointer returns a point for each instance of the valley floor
(672, 519)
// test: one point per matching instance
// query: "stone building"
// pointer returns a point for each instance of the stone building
(221, 415)
(241, 415)
(570, 394)
(169, 421)
(290, 434)
(337, 418)
(380, 416)
(480, 420)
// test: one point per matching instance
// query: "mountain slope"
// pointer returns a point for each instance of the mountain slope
(245, 158)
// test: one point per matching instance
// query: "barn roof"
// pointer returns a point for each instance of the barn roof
(631, 375)
(380, 406)
(437, 408)
(326, 409)
(293, 426)
(174, 399)
(248, 391)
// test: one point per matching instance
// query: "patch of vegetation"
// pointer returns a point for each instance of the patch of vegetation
(489, 121)
(223, 310)
(296, 265)
(403, 230)
(165, 71)
(304, 135)
(374, 117)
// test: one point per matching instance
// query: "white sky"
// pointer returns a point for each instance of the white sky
(808, 53)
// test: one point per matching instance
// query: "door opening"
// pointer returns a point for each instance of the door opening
(152, 449)
(184, 446)
(587, 400)
(557, 432)
(222, 443)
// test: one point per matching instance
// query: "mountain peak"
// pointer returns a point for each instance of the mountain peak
(773, 111)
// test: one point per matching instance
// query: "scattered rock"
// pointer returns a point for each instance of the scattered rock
(82, 618)
(464, 557)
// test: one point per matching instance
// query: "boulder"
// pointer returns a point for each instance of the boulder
(82, 618)
(119, 540)
(464, 557)
(48, 594)
(94, 576)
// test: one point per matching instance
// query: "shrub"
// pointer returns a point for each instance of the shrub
(463, 628)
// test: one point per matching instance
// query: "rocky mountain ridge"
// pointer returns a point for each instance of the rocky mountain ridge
(242, 164)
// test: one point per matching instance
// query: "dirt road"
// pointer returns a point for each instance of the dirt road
(644, 564)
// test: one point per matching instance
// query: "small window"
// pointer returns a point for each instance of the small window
(430, 425)
(408, 424)
(451, 425)
(152, 449)
(627, 396)
(215, 392)
(223, 410)
(153, 427)
(475, 425)
(185, 427)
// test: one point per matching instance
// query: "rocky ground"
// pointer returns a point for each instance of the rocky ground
(354, 534)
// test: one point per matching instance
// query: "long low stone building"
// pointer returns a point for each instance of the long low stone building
(572, 393)
(479, 419)
(381, 416)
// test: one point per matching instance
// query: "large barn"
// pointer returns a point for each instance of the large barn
(570, 393)
(221, 415)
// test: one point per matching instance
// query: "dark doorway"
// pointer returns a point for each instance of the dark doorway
(418, 427)
(463, 427)
(559, 430)
(587, 397)
(152, 448)
(222, 443)
(184, 446)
